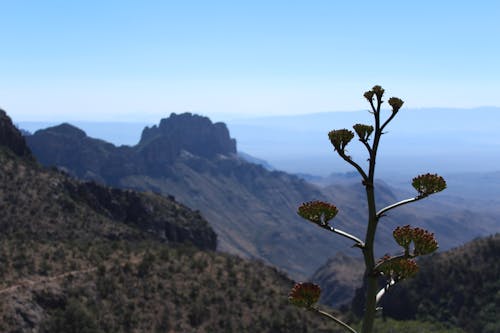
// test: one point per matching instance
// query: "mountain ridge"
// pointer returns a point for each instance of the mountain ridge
(82, 257)
(253, 210)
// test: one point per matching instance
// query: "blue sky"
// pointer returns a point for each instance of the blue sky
(141, 60)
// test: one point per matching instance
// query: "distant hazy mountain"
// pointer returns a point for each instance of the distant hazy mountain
(253, 210)
(439, 140)
(255, 160)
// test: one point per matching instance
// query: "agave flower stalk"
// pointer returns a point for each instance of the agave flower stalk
(414, 241)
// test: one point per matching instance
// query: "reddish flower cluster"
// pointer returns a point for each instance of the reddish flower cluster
(403, 236)
(340, 138)
(363, 131)
(304, 294)
(428, 184)
(318, 212)
(399, 269)
(423, 240)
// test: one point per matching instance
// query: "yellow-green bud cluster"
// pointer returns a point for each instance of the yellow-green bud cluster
(340, 138)
(379, 91)
(363, 131)
(395, 103)
(304, 294)
(318, 212)
(428, 184)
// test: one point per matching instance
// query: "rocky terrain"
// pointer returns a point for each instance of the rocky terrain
(82, 257)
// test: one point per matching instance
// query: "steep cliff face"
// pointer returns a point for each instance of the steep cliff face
(192, 133)
(36, 196)
(11, 138)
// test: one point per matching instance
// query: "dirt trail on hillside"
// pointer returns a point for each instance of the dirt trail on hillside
(27, 283)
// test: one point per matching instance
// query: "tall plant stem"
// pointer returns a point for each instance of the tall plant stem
(368, 251)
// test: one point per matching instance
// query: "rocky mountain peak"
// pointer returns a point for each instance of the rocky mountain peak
(193, 133)
(66, 130)
(11, 137)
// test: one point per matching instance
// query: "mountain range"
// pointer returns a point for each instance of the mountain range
(71, 250)
(82, 257)
(251, 209)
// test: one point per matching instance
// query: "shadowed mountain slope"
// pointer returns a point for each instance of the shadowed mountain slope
(251, 209)
(460, 287)
(82, 257)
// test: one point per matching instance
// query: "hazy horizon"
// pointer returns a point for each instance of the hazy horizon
(441, 140)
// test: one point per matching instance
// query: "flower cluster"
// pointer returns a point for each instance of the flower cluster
(395, 103)
(318, 212)
(423, 240)
(340, 138)
(304, 294)
(428, 184)
(363, 131)
(403, 236)
(379, 91)
(398, 269)
(376, 91)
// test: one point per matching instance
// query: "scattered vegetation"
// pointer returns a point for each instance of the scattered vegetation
(70, 262)
(471, 301)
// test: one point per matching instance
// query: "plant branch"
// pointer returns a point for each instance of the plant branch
(358, 241)
(338, 321)
(354, 164)
(382, 291)
(365, 142)
(381, 212)
(388, 121)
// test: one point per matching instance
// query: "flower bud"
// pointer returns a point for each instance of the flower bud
(423, 242)
(340, 138)
(318, 212)
(304, 294)
(399, 269)
(428, 184)
(369, 95)
(403, 236)
(378, 91)
(363, 131)
(395, 103)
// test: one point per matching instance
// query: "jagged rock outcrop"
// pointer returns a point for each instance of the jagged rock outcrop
(193, 133)
(165, 218)
(34, 195)
(11, 138)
